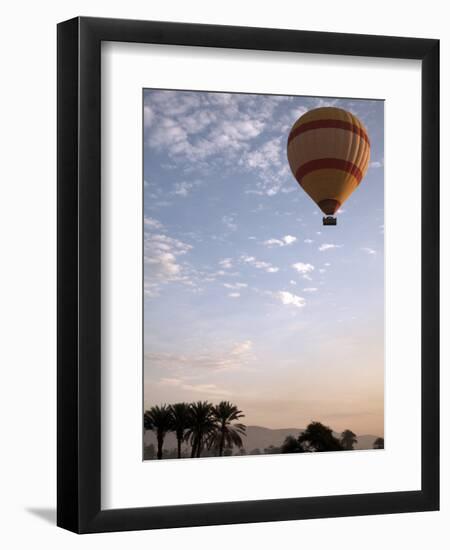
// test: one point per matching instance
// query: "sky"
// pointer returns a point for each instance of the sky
(247, 296)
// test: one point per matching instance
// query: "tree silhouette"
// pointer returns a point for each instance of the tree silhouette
(201, 426)
(149, 452)
(159, 418)
(378, 443)
(272, 450)
(291, 445)
(226, 434)
(255, 452)
(348, 440)
(148, 424)
(181, 416)
(319, 438)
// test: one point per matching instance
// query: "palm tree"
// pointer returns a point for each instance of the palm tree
(226, 433)
(378, 443)
(348, 440)
(201, 425)
(319, 438)
(148, 424)
(160, 420)
(181, 416)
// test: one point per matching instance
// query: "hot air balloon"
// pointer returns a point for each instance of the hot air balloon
(328, 151)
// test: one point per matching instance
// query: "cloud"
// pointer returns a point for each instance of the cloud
(161, 265)
(234, 356)
(289, 299)
(284, 241)
(210, 389)
(234, 294)
(235, 286)
(308, 241)
(264, 157)
(209, 128)
(376, 164)
(369, 251)
(226, 263)
(149, 116)
(240, 348)
(328, 246)
(183, 188)
(251, 260)
(303, 268)
(152, 223)
(230, 222)
(206, 132)
(310, 289)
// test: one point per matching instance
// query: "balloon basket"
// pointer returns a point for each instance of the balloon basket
(329, 220)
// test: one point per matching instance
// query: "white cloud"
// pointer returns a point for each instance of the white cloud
(369, 251)
(328, 246)
(235, 286)
(242, 348)
(210, 389)
(375, 164)
(161, 254)
(234, 294)
(230, 222)
(284, 241)
(226, 263)
(289, 299)
(308, 241)
(292, 282)
(303, 268)
(183, 188)
(152, 223)
(235, 355)
(251, 260)
(192, 129)
(310, 289)
(266, 156)
(149, 116)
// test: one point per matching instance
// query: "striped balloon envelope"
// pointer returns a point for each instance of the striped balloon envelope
(328, 151)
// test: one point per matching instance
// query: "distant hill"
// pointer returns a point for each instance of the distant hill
(259, 437)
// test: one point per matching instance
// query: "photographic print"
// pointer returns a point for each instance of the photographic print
(263, 273)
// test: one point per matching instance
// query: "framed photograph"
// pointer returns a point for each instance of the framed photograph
(248, 275)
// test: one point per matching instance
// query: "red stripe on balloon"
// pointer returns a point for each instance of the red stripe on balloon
(330, 163)
(328, 123)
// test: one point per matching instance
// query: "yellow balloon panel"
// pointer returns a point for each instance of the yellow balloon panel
(329, 184)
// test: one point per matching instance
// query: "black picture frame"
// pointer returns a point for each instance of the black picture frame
(79, 280)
